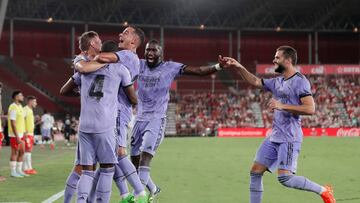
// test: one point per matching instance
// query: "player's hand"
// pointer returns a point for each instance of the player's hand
(274, 104)
(228, 62)
(18, 139)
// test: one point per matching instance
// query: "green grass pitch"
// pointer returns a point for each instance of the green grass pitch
(204, 170)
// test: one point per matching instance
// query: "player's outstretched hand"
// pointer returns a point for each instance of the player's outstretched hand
(228, 62)
(274, 104)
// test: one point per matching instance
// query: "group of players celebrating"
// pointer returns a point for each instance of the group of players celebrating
(105, 75)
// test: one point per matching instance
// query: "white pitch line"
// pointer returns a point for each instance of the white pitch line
(54, 197)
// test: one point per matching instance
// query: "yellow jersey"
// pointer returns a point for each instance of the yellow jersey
(29, 120)
(16, 113)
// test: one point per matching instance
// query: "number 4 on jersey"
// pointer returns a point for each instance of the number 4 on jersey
(96, 87)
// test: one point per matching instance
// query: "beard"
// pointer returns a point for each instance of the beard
(280, 69)
(154, 63)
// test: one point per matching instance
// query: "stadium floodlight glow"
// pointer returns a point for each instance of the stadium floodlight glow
(202, 26)
(49, 20)
(125, 23)
(278, 29)
(355, 29)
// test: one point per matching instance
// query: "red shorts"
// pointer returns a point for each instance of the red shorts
(29, 142)
(1, 139)
(13, 142)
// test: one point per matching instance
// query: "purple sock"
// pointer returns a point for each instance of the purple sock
(151, 186)
(256, 187)
(103, 188)
(120, 180)
(70, 187)
(144, 174)
(299, 182)
(92, 195)
(84, 185)
(130, 173)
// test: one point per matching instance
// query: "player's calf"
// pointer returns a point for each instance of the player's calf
(256, 187)
(71, 186)
(85, 183)
(299, 182)
(302, 183)
(103, 187)
(131, 175)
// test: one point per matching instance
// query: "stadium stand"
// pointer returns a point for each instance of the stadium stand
(44, 70)
(199, 112)
(14, 82)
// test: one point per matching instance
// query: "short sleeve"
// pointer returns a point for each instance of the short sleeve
(269, 84)
(304, 88)
(79, 58)
(125, 77)
(77, 78)
(124, 55)
(12, 114)
(130, 60)
(177, 68)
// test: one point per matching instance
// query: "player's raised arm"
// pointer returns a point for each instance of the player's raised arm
(227, 62)
(107, 57)
(88, 66)
(201, 70)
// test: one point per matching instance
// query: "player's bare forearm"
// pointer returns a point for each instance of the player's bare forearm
(131, 95)
(199, 70)
(249, 77)
(107, 57)
(228, 62)
(88, 66)
(299, 110)
(68, 89)
(307, 106)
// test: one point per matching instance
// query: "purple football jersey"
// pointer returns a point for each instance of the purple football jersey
(79, 58)
(99, 92)
(286, 126)
(132, 62)
(153, 89)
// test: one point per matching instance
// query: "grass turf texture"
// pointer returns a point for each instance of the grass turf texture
(204, 170)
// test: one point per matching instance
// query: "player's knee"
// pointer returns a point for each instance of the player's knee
(258, 168)
(285, 180)
(21, 152)
(78, 169)
(88, 168)
(106, 165)
(145, 159)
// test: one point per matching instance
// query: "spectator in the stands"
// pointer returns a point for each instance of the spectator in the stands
(39, 63)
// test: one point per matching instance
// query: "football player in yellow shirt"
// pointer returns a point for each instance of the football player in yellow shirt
(29, 134)
(16, 125)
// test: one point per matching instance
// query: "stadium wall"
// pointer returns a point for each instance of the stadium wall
(188, 46)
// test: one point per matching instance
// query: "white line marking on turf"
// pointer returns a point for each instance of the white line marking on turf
(54, 197)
